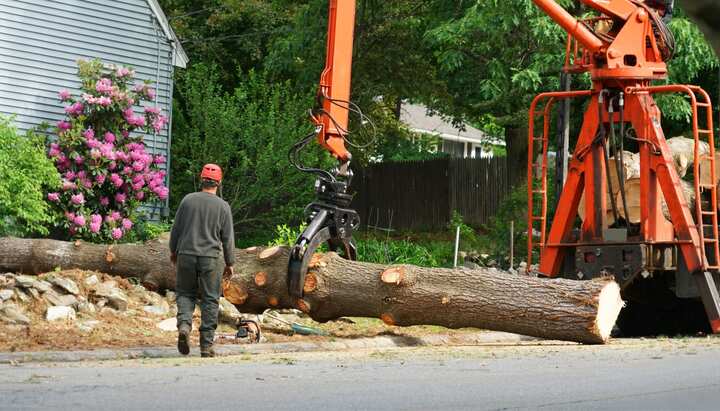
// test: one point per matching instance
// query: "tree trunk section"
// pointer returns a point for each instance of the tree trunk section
(682, 149)
(631, 169)
(632, 195)
(582, 311)
(683, 153)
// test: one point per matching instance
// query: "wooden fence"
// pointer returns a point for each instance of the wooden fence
(423, 194)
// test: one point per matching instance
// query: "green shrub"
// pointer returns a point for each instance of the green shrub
(496, 238)
(25, 175)
(392, 251)
(469, 240)
(144, 230)
(285, 235)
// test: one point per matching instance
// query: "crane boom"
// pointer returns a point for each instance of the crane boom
(334, 92)
(329, 218)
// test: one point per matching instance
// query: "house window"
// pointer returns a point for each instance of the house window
(454, 148)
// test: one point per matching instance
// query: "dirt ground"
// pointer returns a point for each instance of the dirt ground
(132, 332)
(134, 328)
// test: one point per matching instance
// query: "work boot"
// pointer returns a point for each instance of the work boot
(183, 343)
(207, 351)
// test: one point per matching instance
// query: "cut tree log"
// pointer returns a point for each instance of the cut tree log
(682, 149)
(582, 311)
(705, 178)
(631, 169)
(632, 196)
(683, 152)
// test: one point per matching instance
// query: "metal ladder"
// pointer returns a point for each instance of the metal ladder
(706, 216)
(538, 195)
(706, 212)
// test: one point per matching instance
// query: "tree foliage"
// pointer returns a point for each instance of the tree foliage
(479, 62)
(248, 132)
(25, 174)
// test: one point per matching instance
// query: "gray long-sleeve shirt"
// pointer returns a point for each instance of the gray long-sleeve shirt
(203, 227)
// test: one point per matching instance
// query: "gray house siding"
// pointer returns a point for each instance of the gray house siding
(41, 41)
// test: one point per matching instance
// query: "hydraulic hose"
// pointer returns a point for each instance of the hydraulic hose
(619, 158)
(601, 131)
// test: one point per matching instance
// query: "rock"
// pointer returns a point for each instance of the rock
(110, 283)
(115, 297)
(146, 297)
(60, 313)
(168, 325)
(42, 286)
(170, 296)
(66, 284)
(88, 326)
(155, 310)
(6, 295)
(471, 265)
(227, 312)
(101, 303)
(129, 313)
(25, 281)
(108, 311)
(60, 300)
(155, 299)
(35, 294)
(86, 308)
(91, 281)
(7, 281)
(12, 314)
(21, 296)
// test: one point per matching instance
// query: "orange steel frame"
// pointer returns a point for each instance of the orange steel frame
(628, 64)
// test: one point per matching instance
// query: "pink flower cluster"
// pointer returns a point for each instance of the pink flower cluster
(107, 172)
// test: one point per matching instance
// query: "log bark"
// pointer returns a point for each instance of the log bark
(403, 295)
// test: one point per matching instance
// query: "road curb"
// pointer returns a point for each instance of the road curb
(387, 341)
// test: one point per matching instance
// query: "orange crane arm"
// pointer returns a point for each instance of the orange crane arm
(334, 92)
(574, 27)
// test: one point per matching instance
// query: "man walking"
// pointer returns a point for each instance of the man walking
(202, 231)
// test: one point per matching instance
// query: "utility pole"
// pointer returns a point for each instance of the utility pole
(563, 136)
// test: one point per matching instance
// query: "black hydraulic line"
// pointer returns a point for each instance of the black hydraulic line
(619, 157)
(601, 131)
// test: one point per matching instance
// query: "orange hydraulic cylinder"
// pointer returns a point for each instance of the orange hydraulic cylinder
(574, 27)
(336, 78)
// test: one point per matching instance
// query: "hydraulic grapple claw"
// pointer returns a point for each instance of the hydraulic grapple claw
(329, 222)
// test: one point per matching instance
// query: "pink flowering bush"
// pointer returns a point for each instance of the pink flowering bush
(105, 168)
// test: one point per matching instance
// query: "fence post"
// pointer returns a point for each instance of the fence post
(512, 243)
(457, 246)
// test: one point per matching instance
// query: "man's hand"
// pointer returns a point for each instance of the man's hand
(173, 258)
(229, 271)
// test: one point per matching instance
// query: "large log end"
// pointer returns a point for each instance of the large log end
(609, 305)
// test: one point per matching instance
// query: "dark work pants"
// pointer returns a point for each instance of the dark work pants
(199, 277)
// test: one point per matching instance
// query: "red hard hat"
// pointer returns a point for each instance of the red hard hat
(212, 172)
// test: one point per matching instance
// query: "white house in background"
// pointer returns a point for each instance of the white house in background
(41, 41)
(459, 141)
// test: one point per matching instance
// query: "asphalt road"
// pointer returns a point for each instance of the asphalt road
(632, 375)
